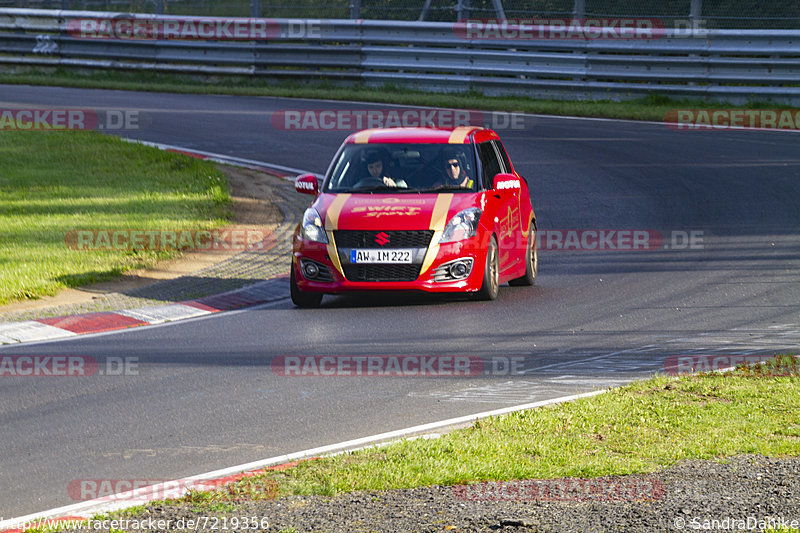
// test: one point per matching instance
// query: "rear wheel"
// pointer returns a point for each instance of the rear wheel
(491, 274)
(531, 261)
(302, 298)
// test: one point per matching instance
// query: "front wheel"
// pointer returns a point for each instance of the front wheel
(531, 261)
(491, 274)
(302, 298)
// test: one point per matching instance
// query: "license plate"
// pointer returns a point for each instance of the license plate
(380, 256)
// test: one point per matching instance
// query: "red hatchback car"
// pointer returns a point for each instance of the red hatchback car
(437, 210)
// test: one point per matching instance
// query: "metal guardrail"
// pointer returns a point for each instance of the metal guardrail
(733, 65)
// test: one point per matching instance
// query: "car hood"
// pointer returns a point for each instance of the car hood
(392, 211)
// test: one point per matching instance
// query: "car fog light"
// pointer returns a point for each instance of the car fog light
(310, 270)
(458, 269)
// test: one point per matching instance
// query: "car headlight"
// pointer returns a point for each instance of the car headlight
(312, 227)
(462, 226)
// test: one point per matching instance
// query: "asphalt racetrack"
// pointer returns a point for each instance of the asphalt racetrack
(724, 279)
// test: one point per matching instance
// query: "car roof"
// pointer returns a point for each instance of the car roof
(457, 135)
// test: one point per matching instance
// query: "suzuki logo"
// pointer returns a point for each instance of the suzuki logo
(382, 238)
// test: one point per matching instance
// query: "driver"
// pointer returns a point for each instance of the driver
(376, 163)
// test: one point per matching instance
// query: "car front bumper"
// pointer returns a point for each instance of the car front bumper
(441, 275)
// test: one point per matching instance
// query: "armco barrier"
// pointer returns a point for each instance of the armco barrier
(732, 65)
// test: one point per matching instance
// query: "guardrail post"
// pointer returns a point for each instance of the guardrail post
(695, 12)
(355, 9)
(579, 10)
(424, 10)
(498, 8)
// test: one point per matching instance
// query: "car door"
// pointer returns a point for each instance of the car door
(519, 217)
(506, 204)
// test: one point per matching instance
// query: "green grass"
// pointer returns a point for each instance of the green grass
(639, 428)
(54, 182)
(653, 107)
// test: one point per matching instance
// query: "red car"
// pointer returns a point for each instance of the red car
(437, 210)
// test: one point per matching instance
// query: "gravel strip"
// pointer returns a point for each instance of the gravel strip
(742, 494)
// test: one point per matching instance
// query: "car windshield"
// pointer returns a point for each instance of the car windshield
(403, 168)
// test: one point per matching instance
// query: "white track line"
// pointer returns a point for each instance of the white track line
(222, 158)
(90, 508)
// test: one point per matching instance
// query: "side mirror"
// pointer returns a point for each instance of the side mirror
(506, 181)
(307, 184)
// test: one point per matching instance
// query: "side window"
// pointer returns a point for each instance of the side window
(503, 155)
(490, 165)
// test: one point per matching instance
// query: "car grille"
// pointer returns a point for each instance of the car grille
(381, 272)
(397, 239)
(391, 239)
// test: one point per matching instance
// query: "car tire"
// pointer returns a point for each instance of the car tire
(491, 274)
(302, 298)
(531, 261)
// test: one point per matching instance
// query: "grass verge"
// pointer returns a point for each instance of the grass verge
(54, 182)
(639, 428)
(653, 107)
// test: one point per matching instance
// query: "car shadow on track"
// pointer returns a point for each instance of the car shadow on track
(413, 299)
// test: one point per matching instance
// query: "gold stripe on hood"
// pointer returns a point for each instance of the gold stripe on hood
(334, 210)
(440, 209)
(333, 254)
(438, 220)
(331, 224)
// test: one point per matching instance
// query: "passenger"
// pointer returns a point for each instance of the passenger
(456, 175)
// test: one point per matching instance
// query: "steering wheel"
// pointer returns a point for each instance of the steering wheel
(368, 182)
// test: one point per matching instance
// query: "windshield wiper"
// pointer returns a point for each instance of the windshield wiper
(372, 188)
(440, 188)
